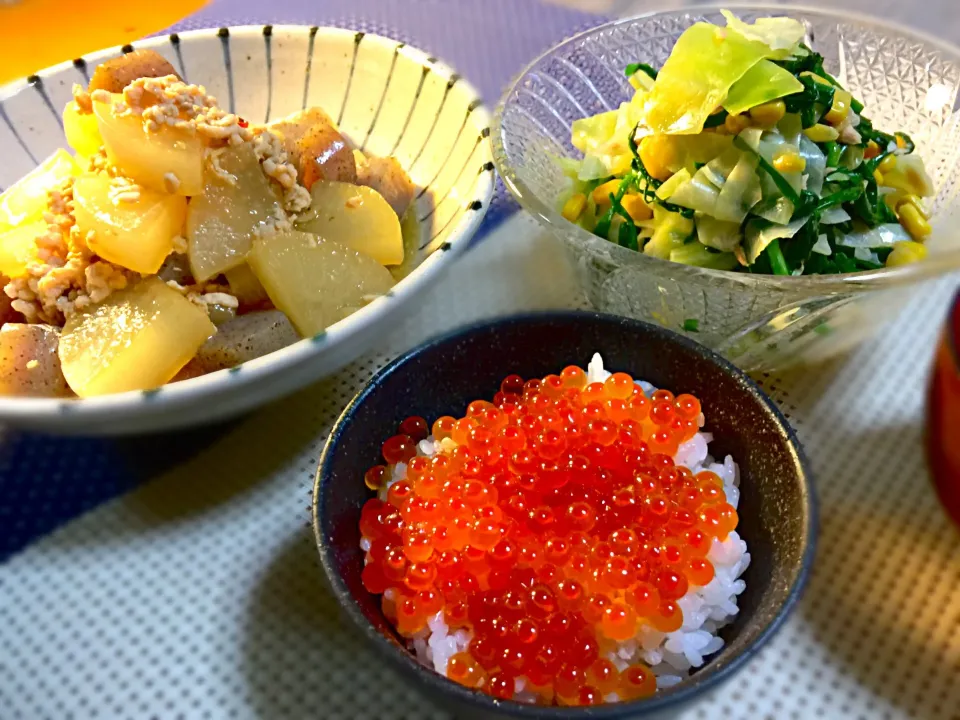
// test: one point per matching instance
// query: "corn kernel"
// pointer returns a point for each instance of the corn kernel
(906, 252)
(887, 164)
(820, 133)
(840, 108)
(901, 143)
(736, 123)
(816, 78)
(893, 199)
(878, 177)
(913, 221)
(789, 162)
(601, 194)
(770, 113)
(658, 153)
(636, 208)
(909, 199)
(919, 181)
(871, 150)
(573, 208)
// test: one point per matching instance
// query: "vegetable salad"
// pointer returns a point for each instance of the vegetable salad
(743, 153)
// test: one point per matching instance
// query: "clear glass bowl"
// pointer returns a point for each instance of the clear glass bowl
(907, 82)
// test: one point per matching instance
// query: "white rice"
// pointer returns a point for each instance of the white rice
(671, 656)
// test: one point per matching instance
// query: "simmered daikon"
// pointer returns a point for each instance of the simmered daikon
(135, 233)
(136, 339)
(223, 221)
(81, 130)
(357, 217)
(167, 160)
(316, 281)
(26, 200)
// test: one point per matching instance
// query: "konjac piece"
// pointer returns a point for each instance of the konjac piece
(115, 74)
(240, 340)
(324, 154)
(29, 365)
(294, 126)
(387, 177)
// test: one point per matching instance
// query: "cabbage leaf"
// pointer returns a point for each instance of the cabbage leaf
(762, 83)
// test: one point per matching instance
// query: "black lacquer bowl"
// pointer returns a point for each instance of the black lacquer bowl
(777, 505)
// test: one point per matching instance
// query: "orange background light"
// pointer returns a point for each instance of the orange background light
(35, 34)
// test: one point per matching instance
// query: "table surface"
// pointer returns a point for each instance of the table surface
(176, 576)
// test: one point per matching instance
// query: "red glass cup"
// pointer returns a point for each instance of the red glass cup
(943, 415)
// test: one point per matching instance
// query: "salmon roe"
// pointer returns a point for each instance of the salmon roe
(551, 524)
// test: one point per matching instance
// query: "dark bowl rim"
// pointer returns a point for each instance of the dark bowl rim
(405, 662)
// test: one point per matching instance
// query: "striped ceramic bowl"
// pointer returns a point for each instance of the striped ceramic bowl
(389, 98)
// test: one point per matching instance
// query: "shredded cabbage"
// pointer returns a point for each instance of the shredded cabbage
(718, 234)
(603, 139)
(592, 168)
(697, 193)
(740, 192)
(879, 237)
(816, 165)
(705, 62)
(751, 136)
(641, 81)
(719, 169)
(666, 191)
(822, 246)
(569, 166)
(910, 176)
(771, 145)
(758, 235)
(791, 127)
(591, 133)
(672, 231)
(697, 254)
(762, 83)
(779, 211)
(834, 216)
(777, 33)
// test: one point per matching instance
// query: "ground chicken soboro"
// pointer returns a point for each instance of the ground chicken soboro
(66, 276)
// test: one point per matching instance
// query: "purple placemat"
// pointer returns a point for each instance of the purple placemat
(47, 481)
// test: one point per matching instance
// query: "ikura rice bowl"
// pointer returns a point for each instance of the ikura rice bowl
(571, 543)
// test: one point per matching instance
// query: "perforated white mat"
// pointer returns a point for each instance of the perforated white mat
(200, 595)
